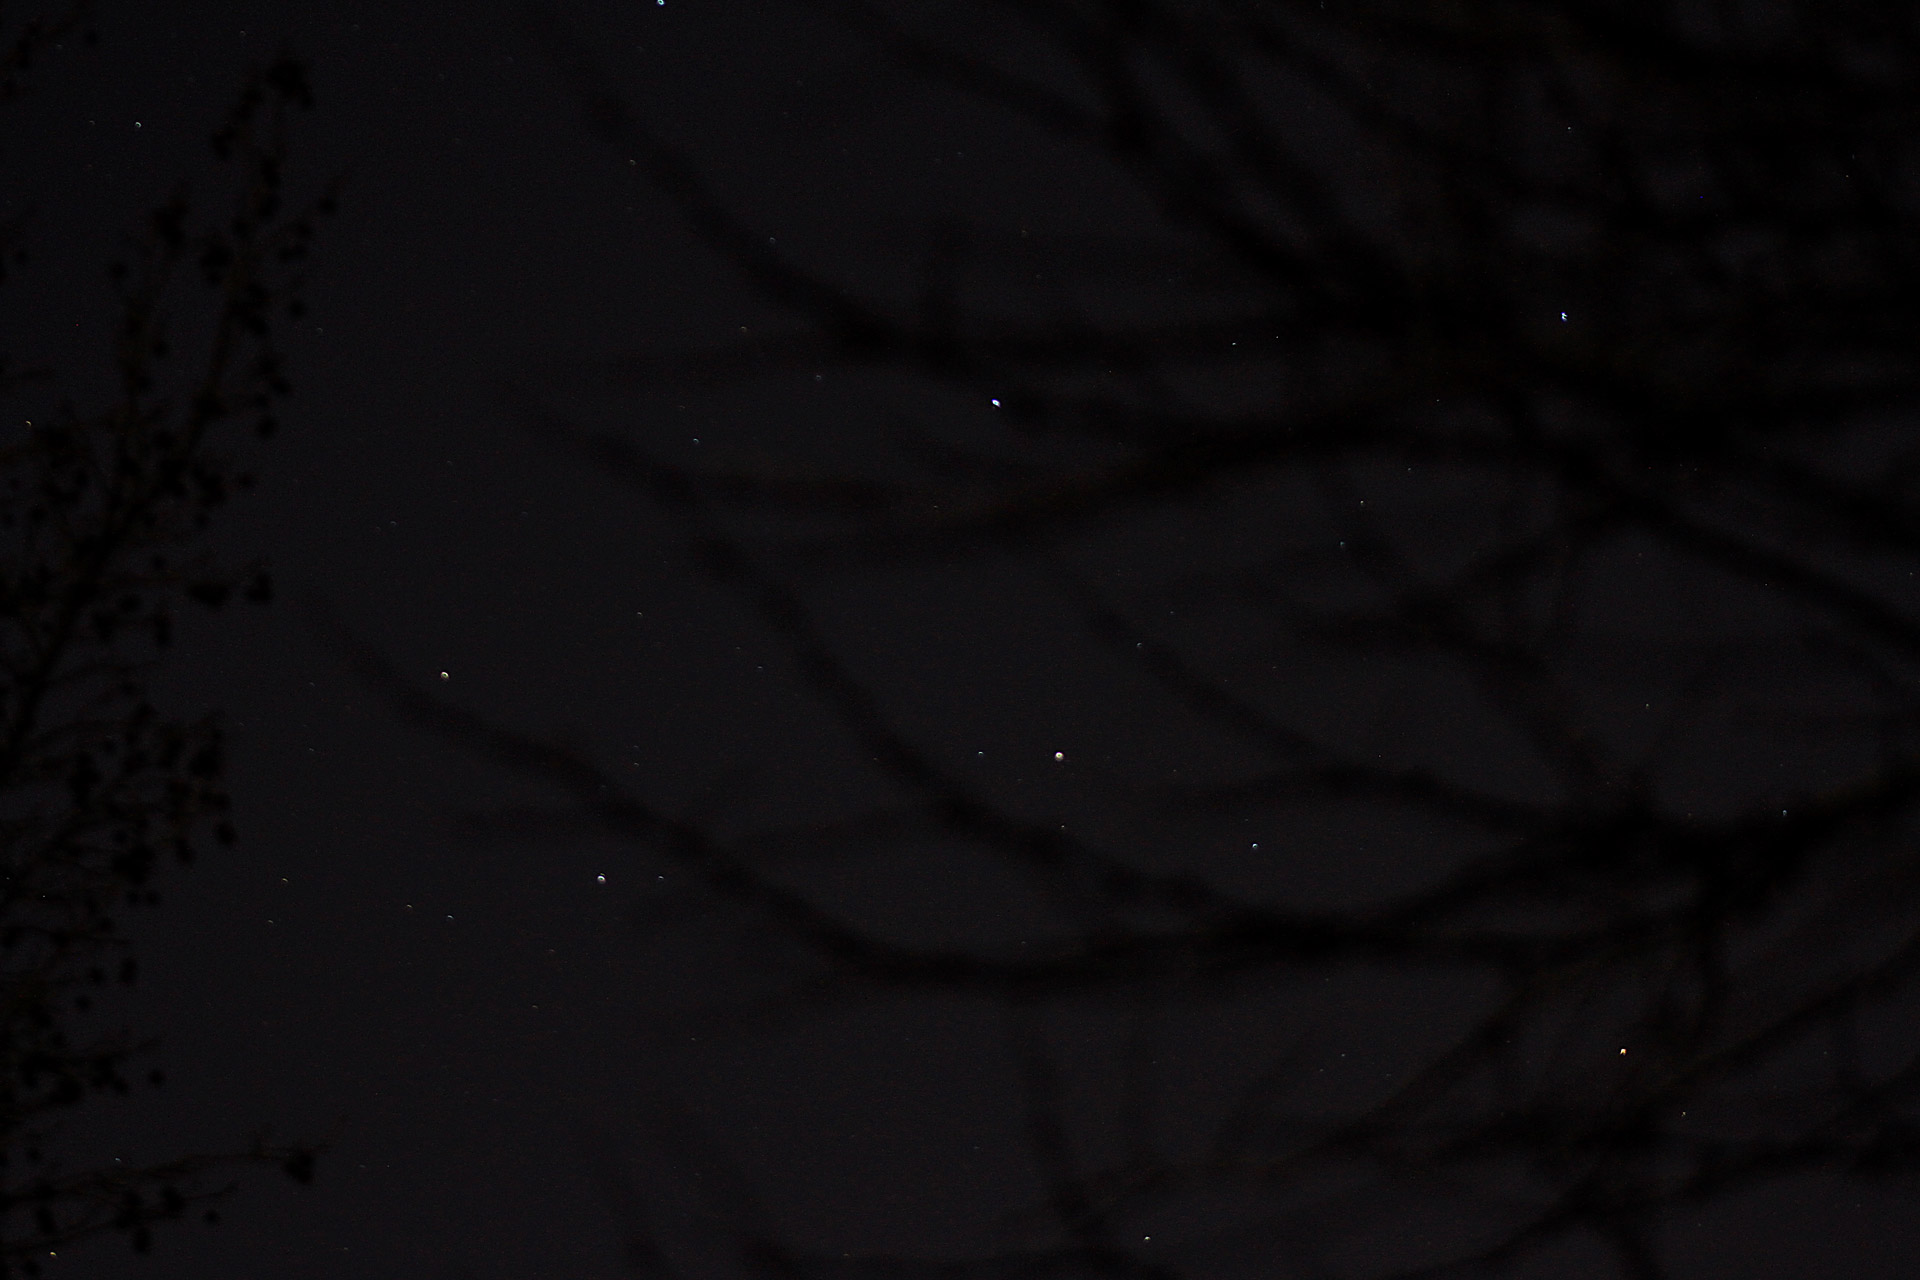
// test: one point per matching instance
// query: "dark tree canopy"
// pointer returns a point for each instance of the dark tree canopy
(102, 511)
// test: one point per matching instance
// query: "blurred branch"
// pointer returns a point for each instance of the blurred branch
(1589, 323)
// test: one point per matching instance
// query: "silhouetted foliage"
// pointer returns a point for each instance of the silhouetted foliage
(1530, 392)
(101, 516)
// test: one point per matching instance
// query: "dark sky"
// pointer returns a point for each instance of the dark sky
(475, 1025)
(513, 1031)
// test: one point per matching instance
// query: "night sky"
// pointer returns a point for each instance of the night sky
(521, 1033)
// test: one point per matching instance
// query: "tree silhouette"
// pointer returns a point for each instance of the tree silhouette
(1515, 405)
(102, 512)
